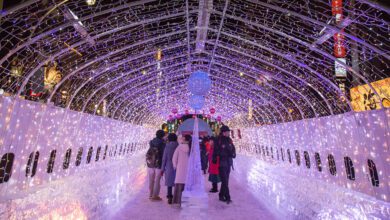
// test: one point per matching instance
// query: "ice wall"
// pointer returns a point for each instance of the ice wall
(298, 189)
(91, 189)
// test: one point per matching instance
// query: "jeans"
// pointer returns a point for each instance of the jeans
(154, 181)
(224, 173)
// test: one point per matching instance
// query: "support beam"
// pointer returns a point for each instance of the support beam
(205, 6)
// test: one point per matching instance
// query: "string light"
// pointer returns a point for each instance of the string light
(138, 63)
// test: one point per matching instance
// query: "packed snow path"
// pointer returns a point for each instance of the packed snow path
(244, 206)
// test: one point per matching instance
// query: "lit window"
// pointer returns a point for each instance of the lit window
(6, 163)
(289, 155)
(332, 165)
(349, 168)
(318, 161)
(79, 156)
(50, 164)
(89, 155)
(307, 159)
(66, 163)
(98, 153)
(373, 173)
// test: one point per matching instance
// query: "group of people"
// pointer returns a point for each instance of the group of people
(169, 155)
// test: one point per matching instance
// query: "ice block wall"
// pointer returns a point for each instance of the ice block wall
(66, 163)
(330, 167)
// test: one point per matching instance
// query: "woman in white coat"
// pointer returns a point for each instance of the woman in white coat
(180, 164)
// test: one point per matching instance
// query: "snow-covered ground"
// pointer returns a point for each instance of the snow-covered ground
(244, 207)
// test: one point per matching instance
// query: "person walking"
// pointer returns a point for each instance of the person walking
(225, 150)
(154, 161)
(213, 167)
(167, 165)
(180, 164)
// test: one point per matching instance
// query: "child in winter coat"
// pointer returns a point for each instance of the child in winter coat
(213, 167)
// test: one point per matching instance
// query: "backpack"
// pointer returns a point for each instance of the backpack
(152, 157)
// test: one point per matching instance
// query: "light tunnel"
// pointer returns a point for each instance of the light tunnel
(303, 85)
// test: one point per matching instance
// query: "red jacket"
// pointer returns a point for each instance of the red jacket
(213, 167)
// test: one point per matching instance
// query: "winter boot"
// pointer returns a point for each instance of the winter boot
(215, 188)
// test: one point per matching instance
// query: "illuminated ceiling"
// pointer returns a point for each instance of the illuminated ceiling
(278, 54)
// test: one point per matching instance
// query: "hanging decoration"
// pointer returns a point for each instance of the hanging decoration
(199, 83)
(339, 46)
(212, 110)
(197, 102)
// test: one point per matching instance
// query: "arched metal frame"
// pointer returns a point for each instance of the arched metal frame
(107, 70)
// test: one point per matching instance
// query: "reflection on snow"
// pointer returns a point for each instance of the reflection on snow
(69, 211)
(95, 193)
(295, 197)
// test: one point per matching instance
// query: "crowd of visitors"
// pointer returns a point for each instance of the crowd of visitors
(169, 154)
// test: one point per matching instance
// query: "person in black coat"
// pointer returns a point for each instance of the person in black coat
(224, 148)
(154, 168)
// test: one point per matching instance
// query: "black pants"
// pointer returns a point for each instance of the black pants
(179, 188)
(170, 195)
(224, 173)
(215, 186)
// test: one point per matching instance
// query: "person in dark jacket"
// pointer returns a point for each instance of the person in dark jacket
(225, 150)
(167, 166)
(154, 170)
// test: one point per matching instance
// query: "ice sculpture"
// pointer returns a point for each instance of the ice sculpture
(195, 181)
(194, 199)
